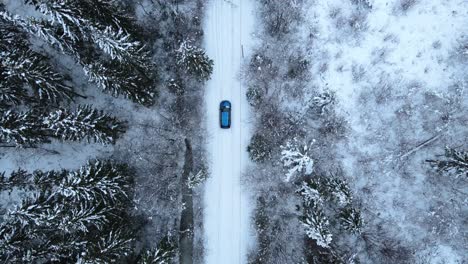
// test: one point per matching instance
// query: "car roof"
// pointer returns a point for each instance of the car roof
(224, 118)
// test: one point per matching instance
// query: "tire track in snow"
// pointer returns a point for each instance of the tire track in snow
(226, 219)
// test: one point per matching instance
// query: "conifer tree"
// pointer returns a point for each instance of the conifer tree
(324, 198)
(32, 128)
(128, 72)
(455, 163)
(24, 67)
(21, 67)
(22, 129)
(83, 123)
(296, 159)
(72, 216)
(163, 254)
(10, 94)
(351, 220)
(317, 226)
(194, 60)
(259, 149)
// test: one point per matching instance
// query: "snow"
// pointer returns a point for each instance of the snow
(389, 73)
(227, 213)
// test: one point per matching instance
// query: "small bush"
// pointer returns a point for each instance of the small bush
(259, 148)
(254, 95)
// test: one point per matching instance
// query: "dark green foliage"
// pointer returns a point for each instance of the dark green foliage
(22, 129)
(117, 79)
(351, 220)
(84, 123)
(455, 163)
(262, 222)
(163, 254)
(32, 128)
(72, 216)
(10, 94)
(328, 198)
(16, 178)
(194, 61)
(21, 67)
(24, 67)
(259, 148)
(124, 66)
(254, 96)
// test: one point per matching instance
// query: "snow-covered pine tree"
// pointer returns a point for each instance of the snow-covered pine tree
(296, 159)
(110, 247)
(83, 123)
(73, 216)
(44, 30)
(455, 163)
(20, 66)
(25, 67)
(117, 80)
(309, 193)
(163, 254)
(351, 220)
(31, 128)
(194, 60)
(18, 178)
(22, 129)
(336, 189)
(255, 95)
(259, 148)
(11, 94)
(131, 77)
(317, 226)
(102, 181)
(77, 23)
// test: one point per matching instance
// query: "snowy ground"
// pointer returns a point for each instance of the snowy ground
(227, 33)
(398, 68)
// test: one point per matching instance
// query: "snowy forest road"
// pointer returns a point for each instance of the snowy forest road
(228, 26)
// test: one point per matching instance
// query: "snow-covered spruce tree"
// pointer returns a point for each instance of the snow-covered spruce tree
(10, 94)
(255, 95)
(78, 216)
(22, 129)
(336, 189)
(131, 77)
(32, 128)
(163, 254)
(194, 60)
(328, 197)
(351, 220)
(20, 66)
(83, 123)
(116, 79)
(17, 178)
(317, 226)
(455, 163)
(259, 148)
(24, 67)
(77, 22)
(296, 159)
(103, 181)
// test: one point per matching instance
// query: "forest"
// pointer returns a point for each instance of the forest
(94, 128)
(359, 144)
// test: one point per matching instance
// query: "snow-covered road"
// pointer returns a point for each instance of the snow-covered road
(228, 26)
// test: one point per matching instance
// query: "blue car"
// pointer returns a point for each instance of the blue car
(225, 114)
